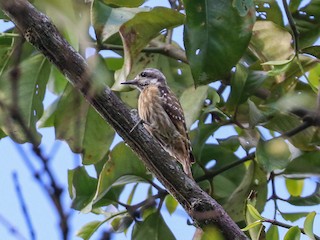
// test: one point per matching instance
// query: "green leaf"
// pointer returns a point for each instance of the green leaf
(293, 234)
(89, 229)
(254, 212)
(254, 180)
(272, 233)
(273, 154)
(294, 186)
(200, 135)
(57, 81)
(314, 77)
(81, 187)
(269, 10)
(307, 22)
(218, 30)
(311, 200)
(282, 123)
(312, 50)
(254, 220)
(192, 101)
(308, 225)
(153, 227)
(255, 115)
(243, 84)
(211, 232)
(133, 190)
(293, 216)
(124, 3)
(34, 74)
(47, 119)
(231, 142)
(171, 204)
(82, 127)
(138, 32)
(114, 173)
(307, 164)
(257, 223)
(106, 20)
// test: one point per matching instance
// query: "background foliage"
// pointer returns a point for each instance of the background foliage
(257, 78)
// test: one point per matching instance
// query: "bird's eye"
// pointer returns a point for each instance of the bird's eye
(143, 74)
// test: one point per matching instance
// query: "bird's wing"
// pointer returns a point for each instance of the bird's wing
(174, 110)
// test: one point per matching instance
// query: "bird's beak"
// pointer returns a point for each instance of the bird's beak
(131, 82)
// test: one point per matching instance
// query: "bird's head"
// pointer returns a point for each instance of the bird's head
(147, 77)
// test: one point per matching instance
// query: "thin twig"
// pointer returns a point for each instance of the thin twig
(284, 225)
(296, 130)
(293, 27)
(23, 206)
(225, 168)
(155, 47)
(12, 229)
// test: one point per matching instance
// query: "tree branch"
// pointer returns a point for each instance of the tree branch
(23, 206)
(40, 32)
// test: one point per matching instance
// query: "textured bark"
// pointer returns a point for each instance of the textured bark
(42, 34)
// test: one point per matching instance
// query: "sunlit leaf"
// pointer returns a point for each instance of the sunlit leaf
(254, 223)
(271, 42)
(89, 229)
(257, 223)
(171, 204)
(314, 77)
(308, 225)
(310, 200)
(218, 30)
(153, 227)
(294, 186)
(254, 212)
(211, 232)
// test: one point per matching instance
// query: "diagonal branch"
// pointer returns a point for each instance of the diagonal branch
(40, 32)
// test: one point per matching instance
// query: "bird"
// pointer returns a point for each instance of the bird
(162, 115)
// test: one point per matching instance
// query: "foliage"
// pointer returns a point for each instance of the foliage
(249, 77)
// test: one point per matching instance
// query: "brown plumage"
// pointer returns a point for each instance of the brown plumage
(163, 116)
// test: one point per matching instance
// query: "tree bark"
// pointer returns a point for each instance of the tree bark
(42, 34)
